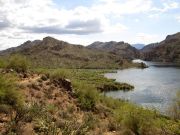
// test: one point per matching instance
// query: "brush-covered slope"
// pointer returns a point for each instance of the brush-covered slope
(122, 49)
(166, 51)
(54, 53)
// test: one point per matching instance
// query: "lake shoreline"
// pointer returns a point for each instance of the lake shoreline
(155, 86)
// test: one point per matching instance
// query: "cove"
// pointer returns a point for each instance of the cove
(155, 87)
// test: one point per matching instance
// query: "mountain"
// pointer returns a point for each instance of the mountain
(149, 47)
(122, 49)
(166, 51)
(54, 53)
(138, 46)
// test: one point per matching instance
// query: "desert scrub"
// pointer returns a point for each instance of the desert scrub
(87, 76)
(124, 115)
(18, 62)
(2, 63)
(174, 109)
(87, 95)
(9, 93)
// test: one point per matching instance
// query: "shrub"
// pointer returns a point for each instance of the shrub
(5, 108)
(87, 95)
(60, 74)
(18, 63)
(8, 91)
(136, 119)
(174, 109)
(2, 63)
(51, 108)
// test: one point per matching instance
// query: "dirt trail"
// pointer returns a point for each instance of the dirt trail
(30, 79)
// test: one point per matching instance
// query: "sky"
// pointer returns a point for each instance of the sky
(85, 21)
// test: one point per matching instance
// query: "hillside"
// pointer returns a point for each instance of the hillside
(53, 53)
(122, 49)
(166, 51)
(149, 47)
(45, 102)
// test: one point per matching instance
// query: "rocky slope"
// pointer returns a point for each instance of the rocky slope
(166, 51)
(118, 48)
(51, 107)
(51, 53)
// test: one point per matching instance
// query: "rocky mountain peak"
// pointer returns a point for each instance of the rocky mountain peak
(52, 42)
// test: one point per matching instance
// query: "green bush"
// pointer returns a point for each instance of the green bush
(136, 119)
(60, 74)
(2, 63)
(18, 62)
(87, 95)
(8, 91)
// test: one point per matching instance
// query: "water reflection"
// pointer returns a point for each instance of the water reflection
(155, 86)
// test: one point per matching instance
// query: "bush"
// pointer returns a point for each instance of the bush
(2, 63)
(60, 74)
(174, 109)
(87, 95)
(8, 91)
(18, 63)
(136, 119)
(5, 108)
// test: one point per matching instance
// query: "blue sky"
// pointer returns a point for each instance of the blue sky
(86, 21)
(69, 4)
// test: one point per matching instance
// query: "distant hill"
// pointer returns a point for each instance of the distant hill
(166, 51)
(138, 46)
(149, 47)
(122, 49)
(54, 53)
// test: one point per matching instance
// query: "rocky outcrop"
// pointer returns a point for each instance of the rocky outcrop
(122, 49)
(66, 83)
(166, 51)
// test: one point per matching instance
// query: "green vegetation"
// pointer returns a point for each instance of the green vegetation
(86, 83)
(2, 63)
(17, 62)
(99, 112)
(125, 115)
(92, 77)
(8, 91)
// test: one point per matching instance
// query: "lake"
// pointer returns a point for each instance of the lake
(155, 87)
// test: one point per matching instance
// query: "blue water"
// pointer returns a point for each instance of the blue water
(155, 87)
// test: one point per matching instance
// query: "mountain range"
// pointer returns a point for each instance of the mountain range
(138, 46)
(167, 50)
(53, 53)
(125, 50)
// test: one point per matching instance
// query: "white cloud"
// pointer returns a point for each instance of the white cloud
(22, 20)
(123, 7)
(166, 6)
(178, 18)
(147, 38)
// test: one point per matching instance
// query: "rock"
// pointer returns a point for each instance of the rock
(44, 77)
(66, 83)
(143, 65)
(27, 129)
